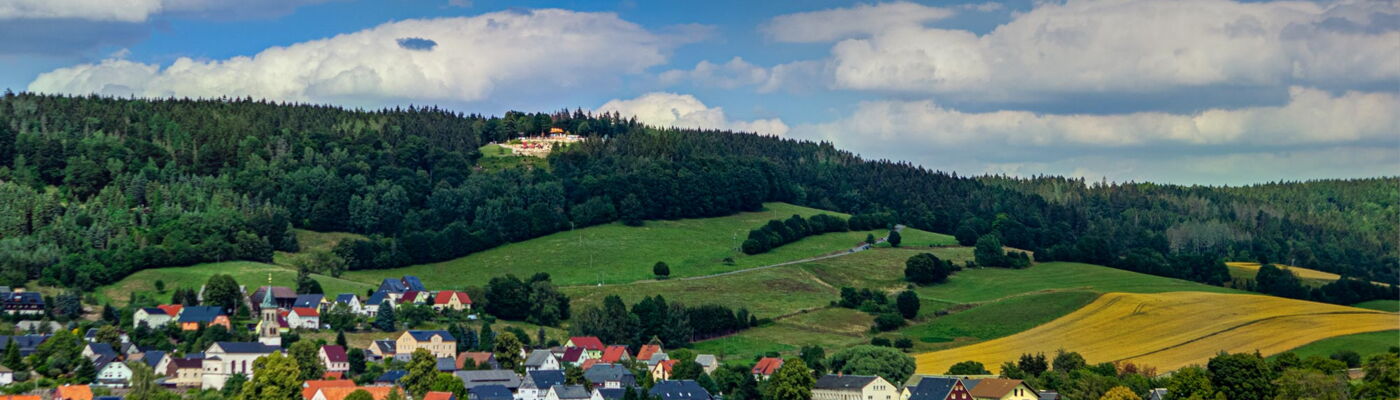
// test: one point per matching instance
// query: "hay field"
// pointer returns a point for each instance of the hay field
(1172, 330)
(1302, 273)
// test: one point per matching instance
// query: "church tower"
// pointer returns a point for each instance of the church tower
(268, 328)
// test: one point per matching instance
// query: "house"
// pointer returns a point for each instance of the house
(113, 373)
(223, 359)
(381, 349)
(282, 296)
(447, 364)
(371, 306)
(490, 392)
(854, 387)
(96, 351)
(7, 376)
(1000, 389)
(185, 372)
(72, 392)
(614, 354)
(1157, 394)
(392, 377)
(542, 360)
(766, 366)
(472, 379)
(151, 358)
(415, 297)
(707, 362)
(153, 317)
(679, 390)
(568, 392)
(439, 396)
(610, 376)
(662, 370)
(194, 317)
(479, 360)
(23, 303)
(27, 343)
(438, 342)
(20, 397)
(936, 388)
(340, 393)
(309, 388)
(1049, 395)
(589, 343)
(649, 352)
(309, 301)
(334, 358)
(536, 384)
(608, 394)
(574, 356)
(32, 326)
(131, 349)
(304, 318)
(350, 301)
(452, 300)
(404, 284)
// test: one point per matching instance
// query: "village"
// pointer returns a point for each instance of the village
(411, 364)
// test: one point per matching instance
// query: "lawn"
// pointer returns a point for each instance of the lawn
(615, 253)
(983, 284)
(1380, 305)
(248, 273)
(1362, 343)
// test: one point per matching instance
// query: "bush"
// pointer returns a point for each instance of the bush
(888, 321)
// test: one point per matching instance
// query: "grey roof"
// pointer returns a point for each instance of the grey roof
(446, 364)
(378, 298)
(413, 283)
(571, 392)
(706, 359)
(27, 343)
(246, 347)
(679, 390)
(490, 392)
(428, 335)
(843, 382)
(201, 314)
(345, 298)
(386, 346)
(933, 388)
(152, 357)
(1049, 395)
(611, 393)
(600, 373)
(475, 378)
(103, 349)
(1157, 394)
(545, 379)
(392, 285)
(538, 357)
(308, 300)
(392, 376)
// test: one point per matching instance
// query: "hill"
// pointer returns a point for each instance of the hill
(247, 273)
(616, 253)
(1172, 330)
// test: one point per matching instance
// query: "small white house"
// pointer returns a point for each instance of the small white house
(6, 376)
(542, 360)
(113, 374)
(151, 316)
(304, 318)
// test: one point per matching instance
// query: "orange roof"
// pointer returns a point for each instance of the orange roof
(767, 366)
(445, 296)
(647, 351)
(172, 309)
(20, 397)
(305, 312)
(334, 375)
(994, 387)
(587, 342)
(73, 392)
(339, 393)
(613, 354)
(666, 365)
(438, 396)
(588, 364)
(478, 358)
(309, 388)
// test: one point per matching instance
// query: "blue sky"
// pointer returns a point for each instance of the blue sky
(1183, 91)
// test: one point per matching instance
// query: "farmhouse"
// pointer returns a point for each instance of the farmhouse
(452, 300)
(937, 388)
(23, 303)
(334, 358)
(185, 372)
(350, 301)
(854, 387)
(765, 367)
(438, 342)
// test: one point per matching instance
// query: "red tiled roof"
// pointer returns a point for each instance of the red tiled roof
(306, 312)
(647, 351)
(309, 388)
(73, 392)
(666, 366)
(614, 354)
(587, 342)
(339, 393)
(172, 309)
(767, 366)
(572, 354)
(588, 364)
(478, 358)
(334, 375)
(335, 353)
(446, 296)
(438, 396)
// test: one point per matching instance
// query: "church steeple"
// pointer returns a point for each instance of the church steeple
(268, 328)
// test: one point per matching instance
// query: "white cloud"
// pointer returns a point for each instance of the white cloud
(729, 75)
(859, 20)
(1238, 168)
(474, 57)
(1311, 117)
(1114, 46)
(140, 10)
(685, 111)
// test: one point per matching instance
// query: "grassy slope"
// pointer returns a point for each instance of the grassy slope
(496, 158)
(247, 273)
(1362, 343)
(615, 253)
(1380, 305)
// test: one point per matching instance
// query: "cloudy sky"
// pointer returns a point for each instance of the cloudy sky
(1180, 91)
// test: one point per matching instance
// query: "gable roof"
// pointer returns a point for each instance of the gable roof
(102, 349)
(546, 379)
(378, 298)
(572, 354)
(843, 382)
(74, 392)
(438, 396)
(613, 354)
(992, 387)
(346, 298)
(490, 392)
(279, 292)
(477, 357)
(308, 300)
(611, 393)
(489, 377)
(411, 296)
(538, 358)
(181, 363)
(933, 388)
(767, 366)
(428, 335)
(392, 285)
(679, 390)
(385, 346)
(447, 364)
(392, 376)
(445, 296)
(647, 351)
(152, 357)
(571, 392)
(309, 388)
(587, 342)
(246, 347)
(303, 312)
(335, 353)
(339, 393)
(413, 283)
(171, 309)
(706, 360)
(610, 373)
(200, 314)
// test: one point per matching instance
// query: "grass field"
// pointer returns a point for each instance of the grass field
(1362, 343)
(1380, 305)
(615, 253)
(247, 273)
(995, 319)
(496, 158)
(1171, 330)
(311, 241)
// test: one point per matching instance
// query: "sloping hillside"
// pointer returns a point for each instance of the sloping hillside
(1172, 330)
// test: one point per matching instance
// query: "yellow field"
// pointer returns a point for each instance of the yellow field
(1302, 273)
(1172, 330)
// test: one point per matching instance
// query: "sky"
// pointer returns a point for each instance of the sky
(1212, 92)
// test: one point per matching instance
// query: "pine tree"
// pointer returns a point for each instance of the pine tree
(385, 319)
(86, 372)
(13, 361)
(340, 339)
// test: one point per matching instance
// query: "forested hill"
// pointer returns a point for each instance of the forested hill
(95, 188)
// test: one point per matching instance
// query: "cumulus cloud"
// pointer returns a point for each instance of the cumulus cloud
(413, 43)
(1237, 168)
(541, 50)
(141, 10)
(1114, 46)
(729, 75)
(841, 23)
(685, 111)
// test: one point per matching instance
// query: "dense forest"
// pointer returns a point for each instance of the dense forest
(95, 188)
